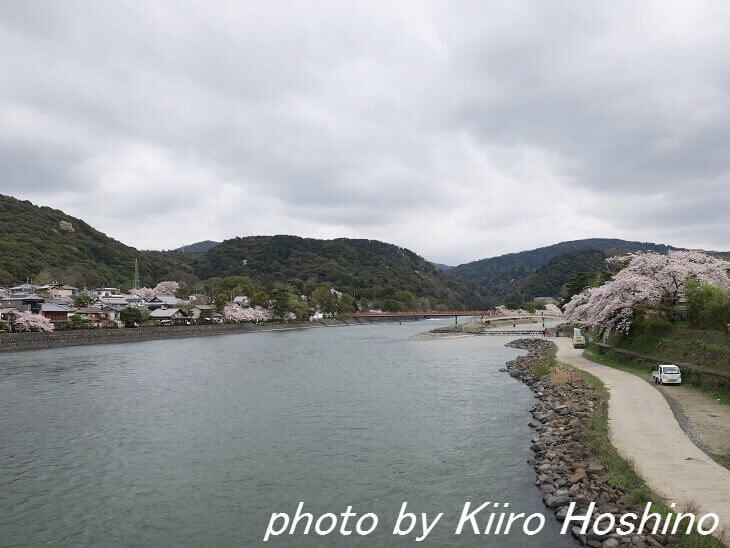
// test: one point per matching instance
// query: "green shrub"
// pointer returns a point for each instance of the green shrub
(391, 305)
(541, 368)
(77, 322)
(655, 325)
(131, 316)
(708, 305)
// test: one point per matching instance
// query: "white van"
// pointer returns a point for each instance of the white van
(667, 374)
(579, 341)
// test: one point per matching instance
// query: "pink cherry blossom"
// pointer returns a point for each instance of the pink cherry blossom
(235, 313)
(162, 288)
(66, 226)
(166, 288)
(649, 279)
(27, 321)
(145, 292)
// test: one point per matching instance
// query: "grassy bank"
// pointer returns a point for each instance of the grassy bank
(708, 384)
(620, 472)
(678, 342)
(546, 365)
(674, 343)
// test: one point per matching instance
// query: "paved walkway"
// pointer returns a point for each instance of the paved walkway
(646, 434)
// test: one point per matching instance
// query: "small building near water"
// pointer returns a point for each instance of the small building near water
(55, 312)
(170, 316)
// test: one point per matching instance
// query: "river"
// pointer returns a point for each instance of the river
(197, 441)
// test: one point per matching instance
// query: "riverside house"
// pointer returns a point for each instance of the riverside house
(93, 316)
(170, 316)
(23, 289)
(162, 301)
(28, 302)
(108, 292)
(55, 312)
(56, 290)
(206, 312)
(6, 314)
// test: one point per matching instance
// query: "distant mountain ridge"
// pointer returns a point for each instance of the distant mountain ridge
(46, 244)
(549, 279)
(504, 275)
(197, 247)
(368, 268)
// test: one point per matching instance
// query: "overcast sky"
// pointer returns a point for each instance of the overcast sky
(460, 130)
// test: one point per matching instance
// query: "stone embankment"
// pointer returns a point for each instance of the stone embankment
(566, 469)
(15, 342)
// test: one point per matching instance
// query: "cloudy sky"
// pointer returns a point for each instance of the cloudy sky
(460, 130)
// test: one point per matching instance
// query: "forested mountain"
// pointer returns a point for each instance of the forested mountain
(503, 275)
(45, 244)
(197, 247)
(369, 269)
(549, 279)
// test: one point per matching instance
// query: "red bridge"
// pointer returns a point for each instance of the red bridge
(422, 313)
(455, 313)
(419, 314)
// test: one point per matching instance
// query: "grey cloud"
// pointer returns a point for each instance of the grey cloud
(373, 119)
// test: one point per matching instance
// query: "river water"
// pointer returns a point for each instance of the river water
(198, 441)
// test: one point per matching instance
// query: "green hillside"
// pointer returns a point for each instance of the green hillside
(197, 247)
(34, 246)
(549, 279)
(369, 269)
(504, 275)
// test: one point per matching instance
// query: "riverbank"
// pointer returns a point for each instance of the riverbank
(19, 342)
(574, 459)
(646, 434)
(472, 328)
(703, 414)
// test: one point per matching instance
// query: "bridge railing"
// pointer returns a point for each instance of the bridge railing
(422, 313)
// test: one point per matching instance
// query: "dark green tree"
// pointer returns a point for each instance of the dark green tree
(280, 304)
(82, 301)
(131, 316)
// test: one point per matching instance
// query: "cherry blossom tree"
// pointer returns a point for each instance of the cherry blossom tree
(144, 292)
(235, 313)
(162, 288)
(27, 321)
(166, 288)
(650, 279)
(66, 226)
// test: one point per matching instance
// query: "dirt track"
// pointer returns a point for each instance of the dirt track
(646, 434)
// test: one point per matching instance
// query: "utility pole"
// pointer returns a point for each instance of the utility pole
(135, 282)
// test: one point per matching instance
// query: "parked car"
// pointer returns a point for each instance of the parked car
(667, 374)
(579, 341)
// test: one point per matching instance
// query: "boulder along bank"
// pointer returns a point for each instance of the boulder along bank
(566, 469)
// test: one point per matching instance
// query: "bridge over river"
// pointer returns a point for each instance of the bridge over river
(484, 315)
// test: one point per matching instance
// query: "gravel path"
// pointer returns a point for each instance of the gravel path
(707, 421)
(646, 434)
